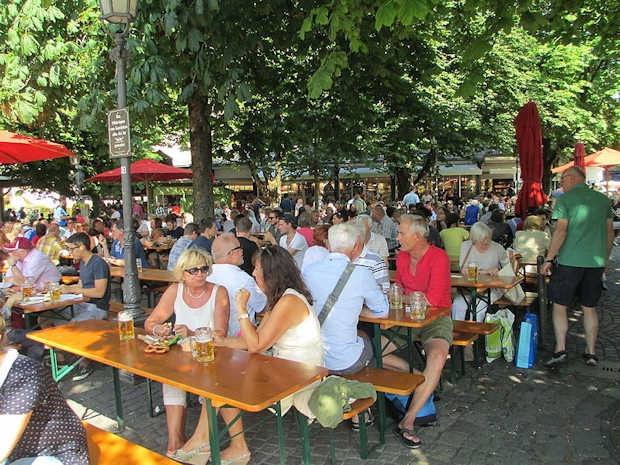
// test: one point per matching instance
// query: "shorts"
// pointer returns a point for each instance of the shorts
(570, 281)
(366, 359)
(441, 328)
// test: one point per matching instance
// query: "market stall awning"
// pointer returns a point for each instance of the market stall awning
(460, 170)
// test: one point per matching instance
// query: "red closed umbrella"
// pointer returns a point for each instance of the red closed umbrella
(15, 148)
(580, 154)
(529, 143)
(145, 170)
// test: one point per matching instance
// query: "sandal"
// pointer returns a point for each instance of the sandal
(590, 359)
(370, 420)
(408, 443)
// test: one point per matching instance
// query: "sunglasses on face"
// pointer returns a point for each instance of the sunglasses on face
(197, 269)
(233, 249)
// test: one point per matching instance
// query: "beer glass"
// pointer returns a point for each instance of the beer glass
(204, 345)
(139, 264)
(418, 305)
(395, 297)
(55, 292)
(472, 271)
(125, 325)
(28, 287)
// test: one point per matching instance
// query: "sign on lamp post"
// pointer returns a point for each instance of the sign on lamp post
(118, 133)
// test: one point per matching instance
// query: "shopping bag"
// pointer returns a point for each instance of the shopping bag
(493, 341)
(516, 294)
(399, 403)
(507, 318)
(528, 341)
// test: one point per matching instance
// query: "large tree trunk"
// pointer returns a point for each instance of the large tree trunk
(202, 163)
(402, 182)
(429, 161)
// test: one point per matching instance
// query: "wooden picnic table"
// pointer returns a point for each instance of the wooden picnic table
(147, 274)
(251, 382)
(484, 282)
(29, 309)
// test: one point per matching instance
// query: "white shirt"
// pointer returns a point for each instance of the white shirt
(377, 244)
(298, 243)
(315, 254)
(234, 279)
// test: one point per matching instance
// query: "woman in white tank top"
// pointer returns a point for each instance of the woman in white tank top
(195, 303)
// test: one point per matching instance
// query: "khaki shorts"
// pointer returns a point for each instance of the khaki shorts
(441, 328)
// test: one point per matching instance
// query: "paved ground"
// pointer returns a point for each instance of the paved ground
(498, 414)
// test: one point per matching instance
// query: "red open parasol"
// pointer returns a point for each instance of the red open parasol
(15, 148)
(580, 153)
(529, 143)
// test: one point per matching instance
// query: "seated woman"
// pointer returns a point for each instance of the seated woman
(290, 326)
(490, 257)
(196, 303)
(452, 238)
(157, 238)
(533, 240)
(319, 250)
(35, 420)
(502, 232)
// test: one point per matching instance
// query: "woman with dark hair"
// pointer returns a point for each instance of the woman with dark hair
(502, 233)
(40, 231)
(341, 216)
(290, 324)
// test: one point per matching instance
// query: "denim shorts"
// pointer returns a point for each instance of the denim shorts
(366, 359)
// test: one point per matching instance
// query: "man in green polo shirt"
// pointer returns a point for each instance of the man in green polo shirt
(581, 243)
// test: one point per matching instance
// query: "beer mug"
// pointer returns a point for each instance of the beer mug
(55, 292)
(139, 264)
(395, 297)
(125, 325)
(418, 305)
(204, 346)
(472, 271)
(28, 287)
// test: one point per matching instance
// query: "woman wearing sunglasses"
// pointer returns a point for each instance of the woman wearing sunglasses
(195, 303)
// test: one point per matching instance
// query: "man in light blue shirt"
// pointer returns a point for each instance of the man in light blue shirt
(345, 351)
(411, 198)
(60, 213)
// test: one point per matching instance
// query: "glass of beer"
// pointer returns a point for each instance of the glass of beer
(395, 296)
(139, 264)
(55, 292)
(472, 271)
(28, 287)
(418, 305)
(204, 345)
(125, 325)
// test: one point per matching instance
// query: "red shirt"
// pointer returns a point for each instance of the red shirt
(432, 277)
(308, 234)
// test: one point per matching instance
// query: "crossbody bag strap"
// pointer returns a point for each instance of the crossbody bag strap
(467, 255)
(333, 297)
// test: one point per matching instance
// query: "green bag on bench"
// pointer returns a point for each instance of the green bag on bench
(501, 341)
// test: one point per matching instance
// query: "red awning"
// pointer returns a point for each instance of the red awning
(15, 148)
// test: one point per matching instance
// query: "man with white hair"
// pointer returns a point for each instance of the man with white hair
(227, 259)
(422, 267)
(346, 351)
(370, 260)
(374, 242)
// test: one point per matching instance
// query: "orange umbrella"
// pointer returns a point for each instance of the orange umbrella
(15, 148)
(606, 158)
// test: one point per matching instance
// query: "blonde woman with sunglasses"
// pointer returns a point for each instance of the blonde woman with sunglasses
(195, 303)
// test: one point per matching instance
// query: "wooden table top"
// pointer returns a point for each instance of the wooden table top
(251, 382)
(45, 306)
(159, 248)
(400, 318)
(147, 274)
(485, 282)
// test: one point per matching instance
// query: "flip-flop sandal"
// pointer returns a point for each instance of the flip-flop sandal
(408, 443)
(370, 420)
(590, 359)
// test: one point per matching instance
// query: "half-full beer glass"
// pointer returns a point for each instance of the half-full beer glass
(125, 325)
(204, 346)
(472, 271)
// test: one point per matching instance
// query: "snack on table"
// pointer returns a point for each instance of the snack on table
(156, 349)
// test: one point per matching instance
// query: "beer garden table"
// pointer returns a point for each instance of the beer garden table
(251, 382)
(147, 274)
(483, 283)
(67, 300)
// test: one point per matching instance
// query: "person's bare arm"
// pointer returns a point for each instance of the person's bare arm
(610, 238)
(12, 427)
(559, 236)
(222, 311)
(163, 310)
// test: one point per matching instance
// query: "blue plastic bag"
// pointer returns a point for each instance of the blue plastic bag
(426, 416)
(528, 341)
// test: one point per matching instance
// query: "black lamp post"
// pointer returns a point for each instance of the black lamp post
(123, 13)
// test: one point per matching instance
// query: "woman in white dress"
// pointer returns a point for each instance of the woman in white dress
(196, 303)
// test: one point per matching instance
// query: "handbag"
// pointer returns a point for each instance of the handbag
(516, 294)
(333, 297)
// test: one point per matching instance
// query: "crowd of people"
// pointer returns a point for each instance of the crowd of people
(311, 273)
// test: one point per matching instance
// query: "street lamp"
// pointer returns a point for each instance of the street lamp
(123, 13)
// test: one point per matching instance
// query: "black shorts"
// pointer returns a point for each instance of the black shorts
(570, 281)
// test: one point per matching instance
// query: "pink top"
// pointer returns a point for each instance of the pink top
(38, 266)
(308, 234)
(432, 277)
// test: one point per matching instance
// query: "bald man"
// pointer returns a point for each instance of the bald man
(227, 259)
(580, 245)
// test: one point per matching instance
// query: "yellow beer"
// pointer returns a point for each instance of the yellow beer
(28, 291)
(125, 326)
(472, 271)
(205, 350)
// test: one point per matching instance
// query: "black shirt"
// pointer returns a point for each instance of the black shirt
(96, 268)
(249, 249)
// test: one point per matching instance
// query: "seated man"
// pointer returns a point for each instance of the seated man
(50, 243)
(291, 240)
(26, 262)
(116, 255)
(227, 258)
(425, 268)
(207, 233)
(190, 234)
(346, 351)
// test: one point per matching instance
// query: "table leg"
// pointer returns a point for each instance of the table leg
(377, 338)
(57, 374)
(278, 409)
(304, 429)
(120, 418)
(410, 348)
(473, 307)
(214, 436)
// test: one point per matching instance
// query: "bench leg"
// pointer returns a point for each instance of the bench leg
(462, 358)
(304, 429)
(332, 447)
(363, 435)
(120, 418)
(452, 365)
(382, 416)
(278, 408)
(410, 348)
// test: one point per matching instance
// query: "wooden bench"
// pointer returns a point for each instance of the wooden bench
(474, 327)
(390, 381)
(109, 449)
(530, 298)
(459, 341)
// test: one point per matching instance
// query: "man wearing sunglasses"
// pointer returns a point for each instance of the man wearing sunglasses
(227, 257)
(273, 234)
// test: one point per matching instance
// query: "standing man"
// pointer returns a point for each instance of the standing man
(581, 244)
(286, 205)
(243, 226)
(60, 213)
(411, 198)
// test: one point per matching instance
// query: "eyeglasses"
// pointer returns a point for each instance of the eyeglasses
(273, 217)
(71, 249)
(197, 269)
(233, 249)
